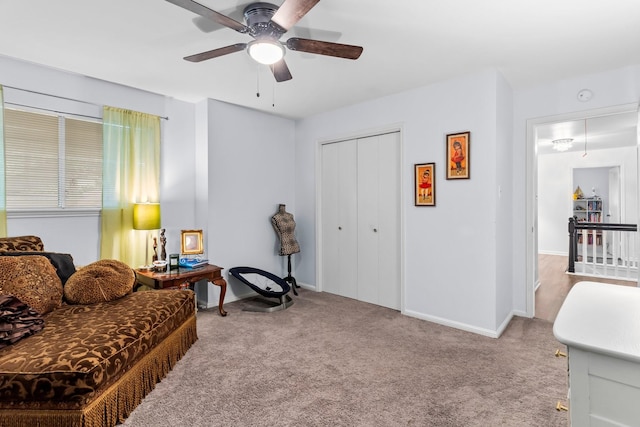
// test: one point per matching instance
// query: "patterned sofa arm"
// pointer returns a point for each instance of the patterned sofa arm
(21, 244)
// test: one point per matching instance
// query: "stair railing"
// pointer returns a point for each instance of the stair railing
(603, 249)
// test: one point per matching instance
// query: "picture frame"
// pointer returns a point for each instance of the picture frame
(458, 155)
(191, 242)
(425, 184)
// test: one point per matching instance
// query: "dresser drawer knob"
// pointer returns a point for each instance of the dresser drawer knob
(559, 353)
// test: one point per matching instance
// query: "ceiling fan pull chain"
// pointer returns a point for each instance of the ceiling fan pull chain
(273, 96)
(257, 82)
(585, 138)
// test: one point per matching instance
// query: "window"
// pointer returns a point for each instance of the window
(52, 162)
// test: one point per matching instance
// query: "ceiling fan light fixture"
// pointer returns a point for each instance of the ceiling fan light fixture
(266, 51)
(562, 144)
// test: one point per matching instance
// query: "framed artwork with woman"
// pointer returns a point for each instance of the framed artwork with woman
(458, 155)
(425, 184)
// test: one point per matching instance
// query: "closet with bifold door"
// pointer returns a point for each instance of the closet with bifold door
(360, 219)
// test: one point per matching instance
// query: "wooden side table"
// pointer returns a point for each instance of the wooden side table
(174, 278)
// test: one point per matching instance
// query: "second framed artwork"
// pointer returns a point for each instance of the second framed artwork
(425, 184)
(458, 155)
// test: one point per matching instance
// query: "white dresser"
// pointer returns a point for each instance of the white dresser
(600, 325)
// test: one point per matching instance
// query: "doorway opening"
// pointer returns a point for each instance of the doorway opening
(590, 144)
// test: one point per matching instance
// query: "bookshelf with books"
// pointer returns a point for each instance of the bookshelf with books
(588, 209)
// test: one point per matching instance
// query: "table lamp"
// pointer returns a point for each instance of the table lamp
(146, 216)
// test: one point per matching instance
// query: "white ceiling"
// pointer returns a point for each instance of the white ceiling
(407, 44)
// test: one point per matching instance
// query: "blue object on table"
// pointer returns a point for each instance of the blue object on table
(193, 262)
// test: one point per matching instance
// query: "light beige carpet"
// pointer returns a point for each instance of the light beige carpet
(333, 361)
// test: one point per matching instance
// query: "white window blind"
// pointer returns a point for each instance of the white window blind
(83, 164)
(52, 161)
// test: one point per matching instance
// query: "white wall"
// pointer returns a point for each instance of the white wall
(504, 201)
(250, 164)
(73, 234)
(79, 234)
(451, 250)
(611, 88)
(555, 187)
(177, 177)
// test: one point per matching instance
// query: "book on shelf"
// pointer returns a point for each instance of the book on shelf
(193, 262)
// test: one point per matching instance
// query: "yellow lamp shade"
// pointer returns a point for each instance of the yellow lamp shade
(146, 216)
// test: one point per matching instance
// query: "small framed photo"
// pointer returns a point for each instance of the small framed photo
(458, 155)
(425, 184)
(191, 242)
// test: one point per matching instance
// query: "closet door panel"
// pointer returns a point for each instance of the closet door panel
(389, 221)
(329, 214)
(368, 202)
(347, 249)
(339, 218)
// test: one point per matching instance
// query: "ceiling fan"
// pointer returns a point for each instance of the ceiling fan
(266, 23)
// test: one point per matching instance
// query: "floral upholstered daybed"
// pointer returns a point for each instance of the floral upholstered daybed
(87, 352)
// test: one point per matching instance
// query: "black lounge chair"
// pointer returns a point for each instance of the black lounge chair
(266, 284)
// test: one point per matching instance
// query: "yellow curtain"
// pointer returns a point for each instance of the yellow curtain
(131, 174)
(3, 198)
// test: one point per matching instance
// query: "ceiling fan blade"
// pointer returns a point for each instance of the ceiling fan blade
(339, 50)
(211, 14)
(281, 71)
(198, 57)
(291, 12)
(207, 25)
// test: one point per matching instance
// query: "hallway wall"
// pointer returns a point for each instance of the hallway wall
(555, 188)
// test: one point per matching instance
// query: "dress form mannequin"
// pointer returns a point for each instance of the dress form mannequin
(285, 226)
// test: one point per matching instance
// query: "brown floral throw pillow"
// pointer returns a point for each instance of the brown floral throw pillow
(17, 320)
(33, 280)
(21, 243)
(63, 263)
(104, 280)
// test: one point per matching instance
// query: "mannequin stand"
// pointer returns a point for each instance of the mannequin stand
(290, 279)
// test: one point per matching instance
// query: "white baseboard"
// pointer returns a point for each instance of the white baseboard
(307, 286)
(203, 306)
(562, 253)
(519, 313)
(463, 326)
(453, 324)
(458, 325)
(504, 324)
(231, 298)
(228, 299)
